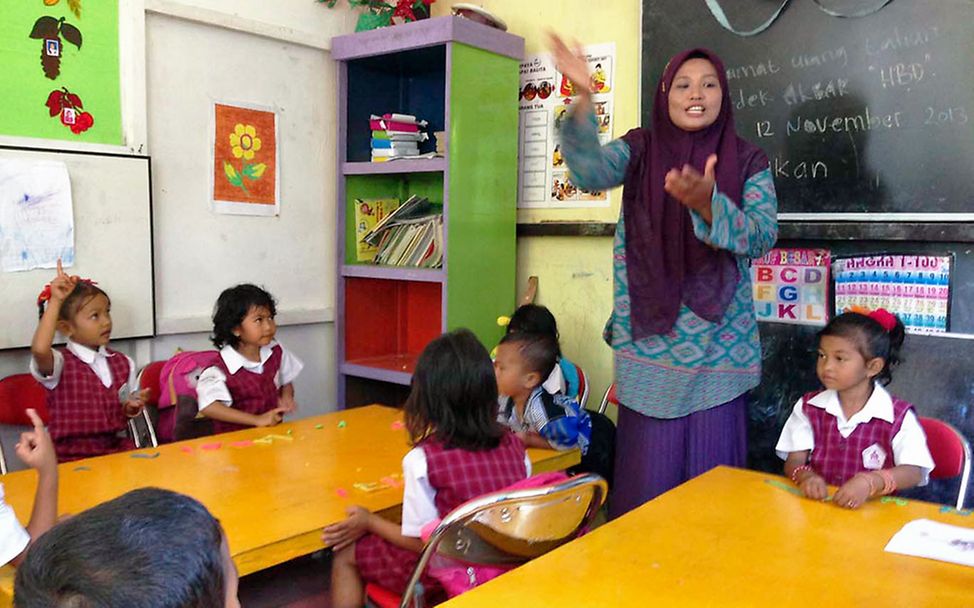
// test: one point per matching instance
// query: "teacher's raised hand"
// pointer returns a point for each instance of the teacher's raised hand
(693, 189)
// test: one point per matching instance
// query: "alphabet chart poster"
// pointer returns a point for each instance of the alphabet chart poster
(792, 286)
(916, 288)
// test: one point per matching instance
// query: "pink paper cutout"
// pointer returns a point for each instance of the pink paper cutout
(211, 446)
(342, 493)
(246, 443)
(397, 425)
(187, 449)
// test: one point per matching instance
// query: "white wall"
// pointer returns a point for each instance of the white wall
(274, 33)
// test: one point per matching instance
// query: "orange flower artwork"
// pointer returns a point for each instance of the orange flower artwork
(245, 161)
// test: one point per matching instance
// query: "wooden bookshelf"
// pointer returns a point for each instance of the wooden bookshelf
(462, 78)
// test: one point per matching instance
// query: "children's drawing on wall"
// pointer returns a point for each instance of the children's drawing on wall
(245, 178)
(916, 288)
(545, 99)
(36, 217)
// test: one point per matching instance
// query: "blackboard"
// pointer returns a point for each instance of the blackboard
(857, 115)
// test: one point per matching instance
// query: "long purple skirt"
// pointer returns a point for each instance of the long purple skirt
(654, 455)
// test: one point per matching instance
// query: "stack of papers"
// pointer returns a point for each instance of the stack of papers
(934, 540)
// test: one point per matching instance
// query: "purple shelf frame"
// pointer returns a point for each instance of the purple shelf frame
(427, 32)
(419, 165)
(376, 373)
(394, 273)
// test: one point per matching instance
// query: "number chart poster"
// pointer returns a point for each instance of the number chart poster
(916, 288)
(60, 63)
(792, 286)
(545, 97)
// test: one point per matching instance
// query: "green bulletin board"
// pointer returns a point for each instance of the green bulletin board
(90, 110)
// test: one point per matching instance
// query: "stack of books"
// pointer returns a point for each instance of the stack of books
(396, 136)
(412, 235)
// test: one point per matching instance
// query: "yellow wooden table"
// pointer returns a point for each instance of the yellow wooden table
(273, 489)
(731, 538)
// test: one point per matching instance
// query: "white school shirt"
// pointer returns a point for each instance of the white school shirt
(212, 385)
(419, 497)
(13, 537)
(909, 444)
(97, 360)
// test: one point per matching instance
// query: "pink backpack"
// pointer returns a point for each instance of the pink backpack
(457, 577)
(177, 389)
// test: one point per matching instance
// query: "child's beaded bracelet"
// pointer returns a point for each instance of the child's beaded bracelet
(794, 473)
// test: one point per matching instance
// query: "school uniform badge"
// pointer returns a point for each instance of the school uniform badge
(874, 457)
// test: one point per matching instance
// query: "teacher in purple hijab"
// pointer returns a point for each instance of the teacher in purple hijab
(698, 202)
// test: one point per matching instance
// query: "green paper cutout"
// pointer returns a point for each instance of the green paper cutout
(91, 73)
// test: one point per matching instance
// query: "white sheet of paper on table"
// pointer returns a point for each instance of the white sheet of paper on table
(934, 540)
(36, 215)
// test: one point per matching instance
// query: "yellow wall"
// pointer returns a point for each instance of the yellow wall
(575, 273)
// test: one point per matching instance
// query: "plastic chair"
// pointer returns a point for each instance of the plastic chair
(18, 393)
(505, 529)
(148, 380)
(609, 397)
(951, 454)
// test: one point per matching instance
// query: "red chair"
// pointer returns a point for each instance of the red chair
(609, 397)
(951, 454)
(18, 393)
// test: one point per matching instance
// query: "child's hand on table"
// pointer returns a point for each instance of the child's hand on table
(814, 487)
(340, 535)
(271, 418)
(853, 493)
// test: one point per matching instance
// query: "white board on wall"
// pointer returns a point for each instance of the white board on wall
(190, 65)
(112, 241)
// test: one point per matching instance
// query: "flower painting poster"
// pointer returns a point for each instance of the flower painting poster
(245, 161)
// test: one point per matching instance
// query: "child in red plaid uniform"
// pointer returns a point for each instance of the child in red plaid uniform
(91, 388)
(461, 452)
(854, 434)
(251, 383)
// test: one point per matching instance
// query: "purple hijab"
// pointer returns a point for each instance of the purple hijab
(667, 265)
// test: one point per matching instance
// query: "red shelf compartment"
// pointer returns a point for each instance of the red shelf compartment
(389, 322)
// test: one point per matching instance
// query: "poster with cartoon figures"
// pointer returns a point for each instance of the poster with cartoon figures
(545, 97)
(916, 288)
(792, 286)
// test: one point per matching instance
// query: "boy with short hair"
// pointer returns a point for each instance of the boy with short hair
(151, 548)
(541, 419)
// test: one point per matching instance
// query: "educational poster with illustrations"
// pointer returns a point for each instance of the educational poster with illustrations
(792, 286)
(36, 215)
(916, 288)
(545, 97)
(60, 64)
(245, 178)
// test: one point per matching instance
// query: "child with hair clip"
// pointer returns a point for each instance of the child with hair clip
(535, 319)
(854, 434)
(460, 452)
(251, 383)
(91, 389)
